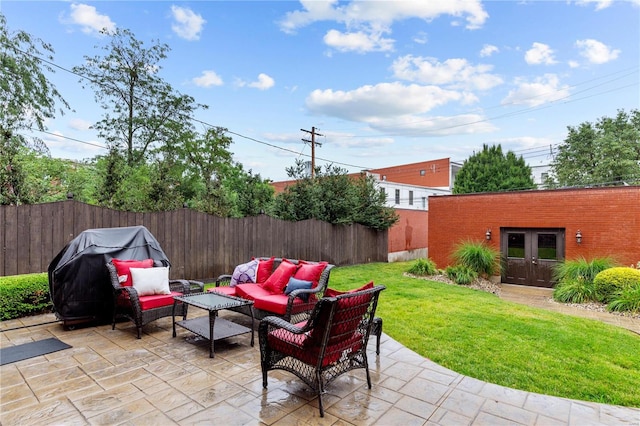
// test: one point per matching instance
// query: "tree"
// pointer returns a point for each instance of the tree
(491, 171)
(143, 111)
(27, 100)
(333, 196)
(251, 194)
(604, 153)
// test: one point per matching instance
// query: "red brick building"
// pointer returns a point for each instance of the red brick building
(536, 229)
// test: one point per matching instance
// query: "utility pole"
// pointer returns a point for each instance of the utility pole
(313, 148)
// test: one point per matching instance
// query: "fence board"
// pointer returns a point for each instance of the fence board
(3, 232)
(23, 238)
(35, 237)
(199, 246)
(11, 240)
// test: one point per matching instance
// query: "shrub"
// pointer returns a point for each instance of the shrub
(574, 290)
(479, 257)
(22, 295)
(581, 268)
(627, 300)
(613, 281)
(461, 274)
(423, 267)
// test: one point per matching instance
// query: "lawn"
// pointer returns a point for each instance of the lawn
(479, 335)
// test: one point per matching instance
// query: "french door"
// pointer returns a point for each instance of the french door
(530, 255)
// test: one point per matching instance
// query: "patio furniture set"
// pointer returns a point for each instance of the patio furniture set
(306, 328)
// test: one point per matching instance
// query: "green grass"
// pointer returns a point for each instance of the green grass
(479, 335)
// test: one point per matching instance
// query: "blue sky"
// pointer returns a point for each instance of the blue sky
(384, 82)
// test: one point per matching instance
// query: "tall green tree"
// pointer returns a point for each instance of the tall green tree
(208, 157)
(333, 196)
(142, 111)
(606, 152)
(491, 171)
(27, 100)
(251, 194)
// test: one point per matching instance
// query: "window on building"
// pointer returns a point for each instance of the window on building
(397, 196)
(410, 198)
(543, 177)
(383, 193)
(423, 172)
(424, 202)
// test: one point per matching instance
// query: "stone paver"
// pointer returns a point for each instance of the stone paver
(110, 377)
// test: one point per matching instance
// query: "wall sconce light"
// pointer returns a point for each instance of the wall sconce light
(488, 234)
(579, 237)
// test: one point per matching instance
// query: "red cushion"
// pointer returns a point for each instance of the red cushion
(297, 345)
(157, 300)
(264, 269)
(310, 271)
(251, 291)
(351, 308)
(276, 283)
(123, 266)
(277, 303)
(329, 292)
(229, 291)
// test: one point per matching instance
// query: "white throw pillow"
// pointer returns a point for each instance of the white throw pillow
(149, 281)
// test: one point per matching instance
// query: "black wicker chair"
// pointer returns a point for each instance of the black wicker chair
(332, 342)
(127, 301)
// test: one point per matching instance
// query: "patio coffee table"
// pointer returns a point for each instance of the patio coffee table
(213, 328)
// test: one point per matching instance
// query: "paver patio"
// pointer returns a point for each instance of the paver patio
(110, 377)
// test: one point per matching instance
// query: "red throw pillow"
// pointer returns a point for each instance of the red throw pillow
(278, 280)
(264, 269)
(310, 272)
(123, 266)
(329, 292)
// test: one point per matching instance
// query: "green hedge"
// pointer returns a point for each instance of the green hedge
(23, 295)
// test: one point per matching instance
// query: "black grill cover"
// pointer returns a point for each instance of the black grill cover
(79, 281)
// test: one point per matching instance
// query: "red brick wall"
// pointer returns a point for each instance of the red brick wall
(410, 232)
(608, 218)
(436, 173)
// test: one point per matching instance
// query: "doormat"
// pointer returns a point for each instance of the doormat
(30, 350)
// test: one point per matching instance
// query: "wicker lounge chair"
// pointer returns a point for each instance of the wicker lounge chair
(332, 342)
(144, 309)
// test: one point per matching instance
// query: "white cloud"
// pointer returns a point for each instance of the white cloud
(596, 52)
(383, 100)
(538, 92)
(417, 126)
(356, 141)
(208, 79)
(600, 4)
(64, 147)
(455, 72)
(421, 38)
(539, 53)
(488, 50)
(79, 124)
(372, 17)
(264, 82)
(359, 41)
(90, 20)
(188, 24)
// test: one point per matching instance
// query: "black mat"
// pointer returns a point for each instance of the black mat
(30, 350)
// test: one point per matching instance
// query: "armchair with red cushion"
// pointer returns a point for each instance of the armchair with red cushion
(331, 342)
(143, 292)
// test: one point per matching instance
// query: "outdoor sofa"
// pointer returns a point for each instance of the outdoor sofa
(287, 288)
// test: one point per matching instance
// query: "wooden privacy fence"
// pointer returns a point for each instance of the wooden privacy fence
(198, 245)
